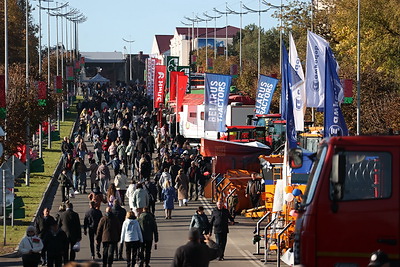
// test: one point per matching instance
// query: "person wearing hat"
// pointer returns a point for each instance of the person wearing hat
(30, 248)
(195, 253)
(379, 259)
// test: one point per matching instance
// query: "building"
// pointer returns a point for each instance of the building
(186, 39)
(110, 65)
(161, 47)
(138, 67)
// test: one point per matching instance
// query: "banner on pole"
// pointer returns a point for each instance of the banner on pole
(172, 65)
(59, 84)
(174, 83)
(186, 70)
(216, 96)
(315, 70)
(159, 85)
(181, 84)
(3, 102)
(298, 89)
(42, 93)
(151, 65)
(69, 73)
(265, 91)
(334, 123)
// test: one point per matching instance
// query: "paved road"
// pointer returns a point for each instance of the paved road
(173, 233)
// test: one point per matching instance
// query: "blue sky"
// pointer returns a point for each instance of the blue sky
(110, 21)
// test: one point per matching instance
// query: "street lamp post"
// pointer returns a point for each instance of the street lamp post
(215, 31)
(130, 56)
(226, 28)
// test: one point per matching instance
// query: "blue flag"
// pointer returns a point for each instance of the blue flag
(334, 123)
(265, 91)
(216, 96)
(288, 80)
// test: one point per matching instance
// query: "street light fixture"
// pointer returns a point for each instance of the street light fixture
(130, 56)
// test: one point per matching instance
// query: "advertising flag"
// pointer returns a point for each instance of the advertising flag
(173, 83)
(2, 97)
(69, 73)
(299, 89)
(288, 79)
(172, 65)
(334, 123)
(159, 85)
(151, 65)
(181, 84)
(186, 70)
(59, 84)
(42, 93)
(315, 70)
(265, 91)
(216, 96)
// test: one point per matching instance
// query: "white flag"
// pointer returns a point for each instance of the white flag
(315, 70)
(299, 89)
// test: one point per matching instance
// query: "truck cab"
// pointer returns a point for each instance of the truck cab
(351, 204)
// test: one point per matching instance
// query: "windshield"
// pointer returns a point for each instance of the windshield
(314, 176)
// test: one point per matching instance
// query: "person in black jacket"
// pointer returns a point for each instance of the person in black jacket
(219, 220)
(66, 147)
(69, 222)
(120, 213)
(91, 221)
(65, 185)
(148, 225)
(253, 190)
(42, 224)
(56, 246)
(193, 174)
(195, 253)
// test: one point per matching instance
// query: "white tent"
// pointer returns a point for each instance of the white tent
(98, 79)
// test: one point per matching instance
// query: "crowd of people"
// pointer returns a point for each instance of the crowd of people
(131, 163)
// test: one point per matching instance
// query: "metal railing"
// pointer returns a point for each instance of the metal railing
(212, 187)
(266, 239)
(257, 231)
(278, 253)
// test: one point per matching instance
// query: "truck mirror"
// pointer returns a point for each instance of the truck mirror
(338, 168)
(295, 158)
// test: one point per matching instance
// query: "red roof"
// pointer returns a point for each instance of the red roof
(193, 99)
(220, 32)
(163, 42)
(246, 100)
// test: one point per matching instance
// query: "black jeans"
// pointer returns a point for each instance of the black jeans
(254, 200)
(108, 253)
(145, 250)
(221, 239)
(118, 250)
(132, 249)
(54, 260)
(71, 254)
(64, 193)
(92, 233)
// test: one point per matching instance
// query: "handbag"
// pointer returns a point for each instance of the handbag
(77, 247)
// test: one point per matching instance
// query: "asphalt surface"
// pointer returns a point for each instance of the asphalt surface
(172, 234)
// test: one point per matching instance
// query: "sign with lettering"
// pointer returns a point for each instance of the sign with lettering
(265, 91)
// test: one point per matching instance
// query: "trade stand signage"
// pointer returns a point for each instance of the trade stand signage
(159, 85)
(172, 65)
(186, 70)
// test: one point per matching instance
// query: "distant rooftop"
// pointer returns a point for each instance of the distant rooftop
(201, 32)
(103, 57)
(163, 42)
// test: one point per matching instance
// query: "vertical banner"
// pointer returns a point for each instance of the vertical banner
(315, 70)
(210, 63)
(42, 93)
(59, 84)
(172, 65)
(181, 84)
(3, 102)
(159, 85)
(186, 70)
(174, 84)
(82, 61)
(298, 90)
(151, 65)
(69, 73)
(287, 81)
(265, 91)
(334, 123)
(216, 96)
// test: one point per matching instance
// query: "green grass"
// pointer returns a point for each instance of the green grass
(33, 194)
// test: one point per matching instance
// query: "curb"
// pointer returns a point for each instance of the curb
(46, 193)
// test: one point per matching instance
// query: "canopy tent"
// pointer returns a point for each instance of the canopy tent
(98, 79)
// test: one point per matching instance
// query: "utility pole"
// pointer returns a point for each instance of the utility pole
(226, 27)
(130, 57)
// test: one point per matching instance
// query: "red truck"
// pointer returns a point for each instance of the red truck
(351, 205)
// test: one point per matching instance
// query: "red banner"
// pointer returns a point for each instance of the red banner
(69, 73)
(182, 81)
(82, 61)
(42, 90)
(2, 91)
(58, 82)
(159, 85)
(173, 76)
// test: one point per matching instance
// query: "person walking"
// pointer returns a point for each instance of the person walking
(69, 222)
(98, 150)
(129, 194)
(120, 212)
(168, 194)
(182, 184)
(93, 174)
(91, 222)
(97, 197)
(30, 247)
(65, 185)
(103, 175)
(76, 168)
(151, 188)
(196, 253)
(131, 234)
(200, 221)
(108, 233)
(219, 221)
(43, 223)
(55, 245)
(253, 190)
(112, 194)
(120, 182)
(82, 149)
(140, 199)
(149, 230)
(193, 174)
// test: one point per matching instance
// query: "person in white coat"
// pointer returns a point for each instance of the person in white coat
(120, 182)
(30, 248)
(129, 194)
(131, 234)
(140, 199)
